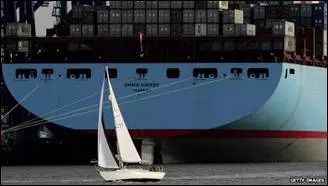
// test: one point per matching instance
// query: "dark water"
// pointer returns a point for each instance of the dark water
(246, 173)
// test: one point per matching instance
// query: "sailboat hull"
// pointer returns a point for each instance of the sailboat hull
(132, 174)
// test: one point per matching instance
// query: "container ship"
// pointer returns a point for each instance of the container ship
(210, 80)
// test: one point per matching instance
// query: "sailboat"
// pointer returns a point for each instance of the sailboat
(115, 168)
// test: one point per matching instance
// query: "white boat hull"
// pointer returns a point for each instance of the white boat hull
(131, 174)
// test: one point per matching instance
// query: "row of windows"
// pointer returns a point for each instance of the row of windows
(85, 73)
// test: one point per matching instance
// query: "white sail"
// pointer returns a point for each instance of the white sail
(127, 150)
(105, 156)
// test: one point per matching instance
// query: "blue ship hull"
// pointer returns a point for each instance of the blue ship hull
(285, 100)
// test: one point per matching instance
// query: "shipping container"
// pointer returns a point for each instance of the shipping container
(139, 4)
(139, 16)
(102, 15)
(176, 30)
(319, 10)
(189, 16)
(259, 12)
(319, 22)
(164, 16)
(189, 29)
(242, 45)
(306, 10)
(115, 4)
(213, 4)
(152, 30)
(115, 16)
(152, 16)
(87, 30)
(127, 16)
(269, 23)
(284, 28)
(127, 30)
(103, 30)
(200, 30)
(294, 10)
(286, 44)
(245, 30)
(228, 30)
(200, 16)
(217, 46)
(320, 36)
(307, 22)
(321, 49)
(259, 22)
(253, 45)
(77, 11)
(75, 30)
(164, 4)
(266, 45)
(276, 12)
(23, 46)
(248, 21)
(229, 45)
(176, 15)
(247, 9)
(176, 4)
(213, 30)
(233, 16)
(163, 30)
(127, 4)
(115, 30)
(223, 5)
(199, 4)
(18, 29)
(212, 16)
(152, 4)
(188, 4)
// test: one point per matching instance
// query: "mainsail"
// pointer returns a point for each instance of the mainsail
(127, 150)
(105, 155)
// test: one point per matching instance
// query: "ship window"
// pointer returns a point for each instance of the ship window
(258, 73)
(292, 71)
(142, 72)
(173, 73)
(112, 73)
(78, 73)
(26, 73)
(205, 73)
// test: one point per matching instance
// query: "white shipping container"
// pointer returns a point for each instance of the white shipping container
(127, 30)
(245, 30)
(188, 30)
(152, 16)
(115, 30)
(151, 30)
(284, 28)
(103, 30)
(223, 5)
(287, 44)
(87, 30)
(176, 4)
(139, 16)
(213, 16)
(127, 16)
(163, 30)
(200, 30)
(75, 30)
(188, 4)
(188, 16)
(228, 30)
(115, 16)
(233, 16)
(18, 29)
(164, 16)
(200, 16)
(213, 30)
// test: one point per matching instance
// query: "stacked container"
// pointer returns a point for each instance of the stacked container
(75, 30)
(18, 29)
(287, 30)
(319, 15)
(245, 30)
(321, 42)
